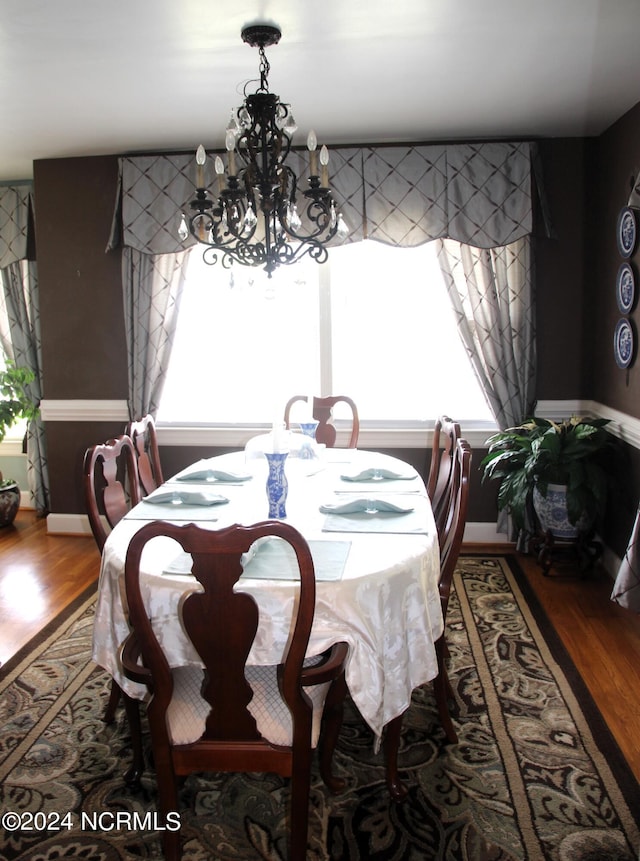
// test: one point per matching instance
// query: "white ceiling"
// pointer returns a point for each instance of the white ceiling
(78, 77)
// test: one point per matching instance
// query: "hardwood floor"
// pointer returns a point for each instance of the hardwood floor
(603, 640)
(40, 574)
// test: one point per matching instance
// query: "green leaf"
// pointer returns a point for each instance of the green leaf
(15, 402)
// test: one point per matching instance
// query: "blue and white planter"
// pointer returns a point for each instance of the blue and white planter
(552, 513)
(9, 503)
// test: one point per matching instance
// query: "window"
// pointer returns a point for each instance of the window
(374, 323)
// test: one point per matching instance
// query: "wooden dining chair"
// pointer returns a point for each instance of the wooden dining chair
(111, 489)
(145, 440)
(322, 411)
(111, 485)
(450, 544)
(446, 433)
(229, 715)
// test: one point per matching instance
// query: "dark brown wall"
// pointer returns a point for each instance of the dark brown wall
(81, 312)
(587, 182)
(613, 163)
(560, 272)
(83, 346)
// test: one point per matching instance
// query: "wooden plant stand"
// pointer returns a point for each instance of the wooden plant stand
(550, 550)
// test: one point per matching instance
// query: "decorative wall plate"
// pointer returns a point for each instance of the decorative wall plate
(625, 288)
(626, 232)
(623, 343)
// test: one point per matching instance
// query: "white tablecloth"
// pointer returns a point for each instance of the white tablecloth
(386, 604)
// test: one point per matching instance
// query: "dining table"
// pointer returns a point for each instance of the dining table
(368, 521)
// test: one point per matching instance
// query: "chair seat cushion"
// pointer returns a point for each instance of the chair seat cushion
(188, 711)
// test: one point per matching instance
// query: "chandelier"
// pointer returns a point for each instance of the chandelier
(252, 217)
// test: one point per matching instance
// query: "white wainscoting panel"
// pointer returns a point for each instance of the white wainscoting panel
(83, 411)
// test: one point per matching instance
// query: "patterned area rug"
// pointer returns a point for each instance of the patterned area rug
(535, 774)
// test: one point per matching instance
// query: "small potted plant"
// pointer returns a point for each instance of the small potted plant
(564, 469)
(15, 404)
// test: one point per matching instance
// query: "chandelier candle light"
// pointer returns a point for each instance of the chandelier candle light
(253, 217)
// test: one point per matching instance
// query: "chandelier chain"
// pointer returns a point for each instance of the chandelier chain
(264, 69)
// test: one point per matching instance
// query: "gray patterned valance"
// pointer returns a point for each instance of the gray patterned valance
(14, 223)
(479, 194)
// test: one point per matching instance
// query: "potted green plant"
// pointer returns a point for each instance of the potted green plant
(15, 404)
(561, 468)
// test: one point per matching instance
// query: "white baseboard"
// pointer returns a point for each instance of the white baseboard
(484, 533)
(68, 524)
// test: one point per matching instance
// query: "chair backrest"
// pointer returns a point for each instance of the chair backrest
(222, 623)
(111, 484)
(145, 441)
(455, 521)
(210, 726)
(446, 433)
(322, 411)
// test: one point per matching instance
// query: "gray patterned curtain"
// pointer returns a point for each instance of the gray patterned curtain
(626, 589)
(152, 285)
(153, 271)
(491, 292)
(20, 323)
(476, 201)
(479, 195)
